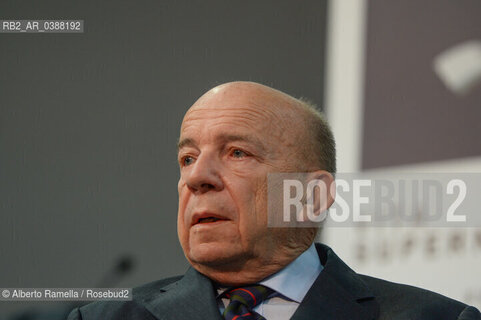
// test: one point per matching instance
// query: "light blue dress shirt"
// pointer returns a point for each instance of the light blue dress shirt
(291, 284)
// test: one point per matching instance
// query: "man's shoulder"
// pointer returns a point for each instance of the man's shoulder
(389, 300)
(132, 309)
(404, 301)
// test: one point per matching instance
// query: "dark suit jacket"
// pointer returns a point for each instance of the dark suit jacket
(338, 293)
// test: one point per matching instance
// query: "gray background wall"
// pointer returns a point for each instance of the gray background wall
(89, 122)
(410, 116)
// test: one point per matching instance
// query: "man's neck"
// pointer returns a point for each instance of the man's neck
(247, 272)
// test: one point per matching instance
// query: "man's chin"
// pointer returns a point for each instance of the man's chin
(213, 255)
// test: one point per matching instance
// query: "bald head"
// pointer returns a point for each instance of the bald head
(246, 93)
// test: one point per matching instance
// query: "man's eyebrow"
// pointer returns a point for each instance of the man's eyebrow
(244, 138)
(185, 142)
(225, 139)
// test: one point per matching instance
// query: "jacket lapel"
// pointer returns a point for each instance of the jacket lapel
(338, 293)
(192, 297)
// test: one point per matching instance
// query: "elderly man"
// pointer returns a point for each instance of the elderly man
(230, 140)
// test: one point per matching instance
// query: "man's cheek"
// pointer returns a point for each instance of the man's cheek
(187, 212)
(181, 186)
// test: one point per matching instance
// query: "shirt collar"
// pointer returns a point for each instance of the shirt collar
(294, 280)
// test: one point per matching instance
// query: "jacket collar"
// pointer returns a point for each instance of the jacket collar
(338, 292)
(192, 297)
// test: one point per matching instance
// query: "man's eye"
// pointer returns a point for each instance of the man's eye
(187, 160)
(238, 153)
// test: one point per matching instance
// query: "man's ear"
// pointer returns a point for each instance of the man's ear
(321, 190)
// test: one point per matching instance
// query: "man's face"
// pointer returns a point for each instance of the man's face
(225, 154)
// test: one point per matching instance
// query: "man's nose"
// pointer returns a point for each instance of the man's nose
(204, 175)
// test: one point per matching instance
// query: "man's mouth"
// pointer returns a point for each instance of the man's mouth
(207, 218)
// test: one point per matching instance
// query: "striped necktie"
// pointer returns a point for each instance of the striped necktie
(243, 300)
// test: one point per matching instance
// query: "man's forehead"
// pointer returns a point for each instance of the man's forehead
(238, 120)
(252, 111)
